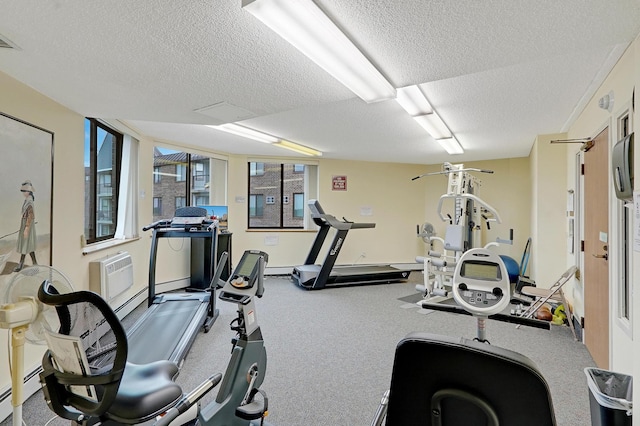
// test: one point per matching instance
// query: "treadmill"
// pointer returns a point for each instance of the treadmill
(172, 321)
(314, 277)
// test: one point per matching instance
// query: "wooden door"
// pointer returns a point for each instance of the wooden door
(596, 263)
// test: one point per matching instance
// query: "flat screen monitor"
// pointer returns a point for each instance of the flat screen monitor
(220, 213)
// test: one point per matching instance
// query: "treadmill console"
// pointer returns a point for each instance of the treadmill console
(246, 279)
(481, 282)
(315, 208)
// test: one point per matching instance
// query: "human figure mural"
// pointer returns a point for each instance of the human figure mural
(26, 243)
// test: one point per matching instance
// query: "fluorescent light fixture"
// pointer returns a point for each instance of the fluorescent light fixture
(451, 145)
(256, 135)
(301, 149)
(433, 124)
(413, 101)
(307, 28)
(246, 132)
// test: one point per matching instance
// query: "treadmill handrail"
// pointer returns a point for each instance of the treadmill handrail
(344, 225)
(216, 282)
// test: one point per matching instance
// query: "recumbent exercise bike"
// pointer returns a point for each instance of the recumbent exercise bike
(101, 387)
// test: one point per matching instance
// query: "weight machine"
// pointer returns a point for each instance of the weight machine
(464, 228)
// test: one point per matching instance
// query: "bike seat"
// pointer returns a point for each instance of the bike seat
(145, 391)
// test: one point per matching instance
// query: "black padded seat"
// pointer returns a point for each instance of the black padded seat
(439, 380)
(145, 391)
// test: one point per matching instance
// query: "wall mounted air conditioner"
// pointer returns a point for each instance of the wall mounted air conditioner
(111, 275)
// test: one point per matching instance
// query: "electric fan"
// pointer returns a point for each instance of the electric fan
(427, 232)
(27, 318)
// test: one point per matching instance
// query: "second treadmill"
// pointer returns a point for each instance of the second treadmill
(313, 277)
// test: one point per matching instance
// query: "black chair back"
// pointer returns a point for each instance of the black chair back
(438, 380)
(86, 316)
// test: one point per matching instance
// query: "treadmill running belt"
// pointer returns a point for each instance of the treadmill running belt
(157, 339)
(362, 269)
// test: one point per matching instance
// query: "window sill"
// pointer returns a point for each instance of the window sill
(92, 248)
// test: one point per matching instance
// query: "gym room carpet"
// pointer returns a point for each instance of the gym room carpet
(330, 353)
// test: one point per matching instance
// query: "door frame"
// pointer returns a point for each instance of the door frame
(617, 210)
(612, 239)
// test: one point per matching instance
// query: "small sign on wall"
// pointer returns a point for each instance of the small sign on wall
(339, 183)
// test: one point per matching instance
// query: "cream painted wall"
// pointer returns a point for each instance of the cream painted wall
(622, 80)
(635, 371)
(396, 203)
(21, 102)
(26, 104)
(549, 206)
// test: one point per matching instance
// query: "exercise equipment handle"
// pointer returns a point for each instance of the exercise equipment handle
(157, 224)
(381, 413)
(216, 282)
(449, 171)
(188, 400)
(529, 322)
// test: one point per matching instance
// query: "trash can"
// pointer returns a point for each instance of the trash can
(610, 397)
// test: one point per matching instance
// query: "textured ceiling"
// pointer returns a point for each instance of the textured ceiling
(498, 72)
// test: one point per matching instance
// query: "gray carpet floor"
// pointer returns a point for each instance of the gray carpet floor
(330, 353)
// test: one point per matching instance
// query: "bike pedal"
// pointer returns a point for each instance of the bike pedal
(252, 411)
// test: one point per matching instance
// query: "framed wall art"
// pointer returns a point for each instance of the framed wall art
(26, 190)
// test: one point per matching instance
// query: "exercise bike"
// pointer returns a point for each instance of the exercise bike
(467, 382)
(118, 392)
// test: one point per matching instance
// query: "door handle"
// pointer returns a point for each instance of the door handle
(604, 256)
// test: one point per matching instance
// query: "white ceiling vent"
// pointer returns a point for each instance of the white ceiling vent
(225, 112)
(5, 43)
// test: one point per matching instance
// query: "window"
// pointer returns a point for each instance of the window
(105, 183)
(201, 200)
(256, 207)
(256, 169)
(102, 161)
(272, 191)
(156, 175)
(157, 206)
(104, 212)
(180, 202)
(181, 172)
(199, 181)
(199, 176)
(625, 246)
(298, 205)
